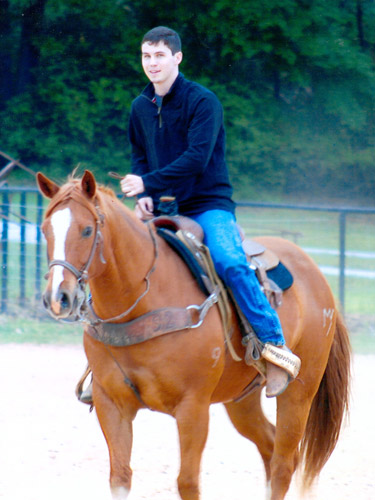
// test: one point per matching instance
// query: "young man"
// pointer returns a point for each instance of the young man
(177, 135)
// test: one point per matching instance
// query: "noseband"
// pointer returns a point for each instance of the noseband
(82, 275)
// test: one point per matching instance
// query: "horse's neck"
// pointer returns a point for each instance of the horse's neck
(129, 253)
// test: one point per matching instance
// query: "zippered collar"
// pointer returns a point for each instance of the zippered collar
(149, 90)
(149, 94)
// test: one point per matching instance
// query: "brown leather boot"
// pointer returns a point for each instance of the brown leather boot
(282, 367)
(277, 380)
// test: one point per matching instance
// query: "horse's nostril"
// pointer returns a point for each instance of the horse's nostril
(64, 300)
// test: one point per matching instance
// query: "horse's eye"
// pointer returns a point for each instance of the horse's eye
(87, 232)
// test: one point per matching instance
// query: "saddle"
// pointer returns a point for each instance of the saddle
(272, 275)
(185, 236)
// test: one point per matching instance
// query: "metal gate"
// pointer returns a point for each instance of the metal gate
(23, 259)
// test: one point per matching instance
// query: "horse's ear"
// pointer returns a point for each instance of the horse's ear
(88, 184)
(47, 187)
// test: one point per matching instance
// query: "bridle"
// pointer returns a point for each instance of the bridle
(82, 274)
(85, 312)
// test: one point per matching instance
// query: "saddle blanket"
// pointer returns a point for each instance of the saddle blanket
(279, 274)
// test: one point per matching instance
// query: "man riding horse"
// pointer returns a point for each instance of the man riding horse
(177, 135)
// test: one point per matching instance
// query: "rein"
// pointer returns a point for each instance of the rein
(150, 325)
(145, 327)
(86, 313)
(146, 279)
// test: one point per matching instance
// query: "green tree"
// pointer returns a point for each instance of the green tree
(296, 79)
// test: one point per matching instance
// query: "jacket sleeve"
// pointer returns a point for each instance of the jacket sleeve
(139, 163)
(202, 134)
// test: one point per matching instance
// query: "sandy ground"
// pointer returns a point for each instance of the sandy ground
(52, 447)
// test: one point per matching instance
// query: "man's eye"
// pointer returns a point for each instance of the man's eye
(87, 232)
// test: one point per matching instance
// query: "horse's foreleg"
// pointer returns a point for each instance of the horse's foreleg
(117, 428)
(192, 421)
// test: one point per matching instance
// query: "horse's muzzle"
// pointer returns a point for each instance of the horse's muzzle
(66, 304)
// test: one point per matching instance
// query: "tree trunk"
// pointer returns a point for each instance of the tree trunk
(32, 22)
(5, 54)
(360, 30)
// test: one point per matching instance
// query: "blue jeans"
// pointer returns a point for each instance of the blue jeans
(221, 236)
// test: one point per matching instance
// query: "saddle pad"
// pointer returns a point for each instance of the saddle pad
(281, 276)
(186, 255)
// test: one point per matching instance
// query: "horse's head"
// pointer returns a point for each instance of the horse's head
(72, 231)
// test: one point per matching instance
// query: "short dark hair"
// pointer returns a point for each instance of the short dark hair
(163, 34)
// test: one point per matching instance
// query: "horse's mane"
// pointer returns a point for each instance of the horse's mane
(72, 191)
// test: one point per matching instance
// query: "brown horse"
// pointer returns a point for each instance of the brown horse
(92, 237)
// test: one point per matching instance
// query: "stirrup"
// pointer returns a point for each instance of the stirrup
(281, 356)
(85, 396)
(282, 367)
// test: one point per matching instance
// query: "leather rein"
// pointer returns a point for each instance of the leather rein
(150, 325)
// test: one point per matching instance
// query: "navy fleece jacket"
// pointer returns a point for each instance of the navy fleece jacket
(179, 148)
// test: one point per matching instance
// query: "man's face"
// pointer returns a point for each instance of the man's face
(159, 64)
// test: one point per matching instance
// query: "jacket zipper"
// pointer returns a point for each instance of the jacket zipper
(159, 109)
(160, 117)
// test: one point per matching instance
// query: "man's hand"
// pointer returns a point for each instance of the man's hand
(144, 208)
(132, 185)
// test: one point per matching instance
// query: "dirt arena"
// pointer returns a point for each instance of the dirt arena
(52, 447)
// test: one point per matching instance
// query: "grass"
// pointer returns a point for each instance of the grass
(320, 230)
(22, 330)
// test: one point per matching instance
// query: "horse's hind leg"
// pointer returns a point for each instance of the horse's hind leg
(192, 420)
(292, 413)
(248, 418)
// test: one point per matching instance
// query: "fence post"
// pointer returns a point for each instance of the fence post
(23, 249)
(342, 236)
(4, 248)
(38, 250)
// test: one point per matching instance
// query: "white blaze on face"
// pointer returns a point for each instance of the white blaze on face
(60, 222)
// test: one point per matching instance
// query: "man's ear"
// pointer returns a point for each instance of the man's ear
(179, 57)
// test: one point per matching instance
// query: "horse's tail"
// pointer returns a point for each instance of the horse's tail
(329, 407)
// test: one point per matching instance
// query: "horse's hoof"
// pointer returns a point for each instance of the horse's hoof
(277, 380)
